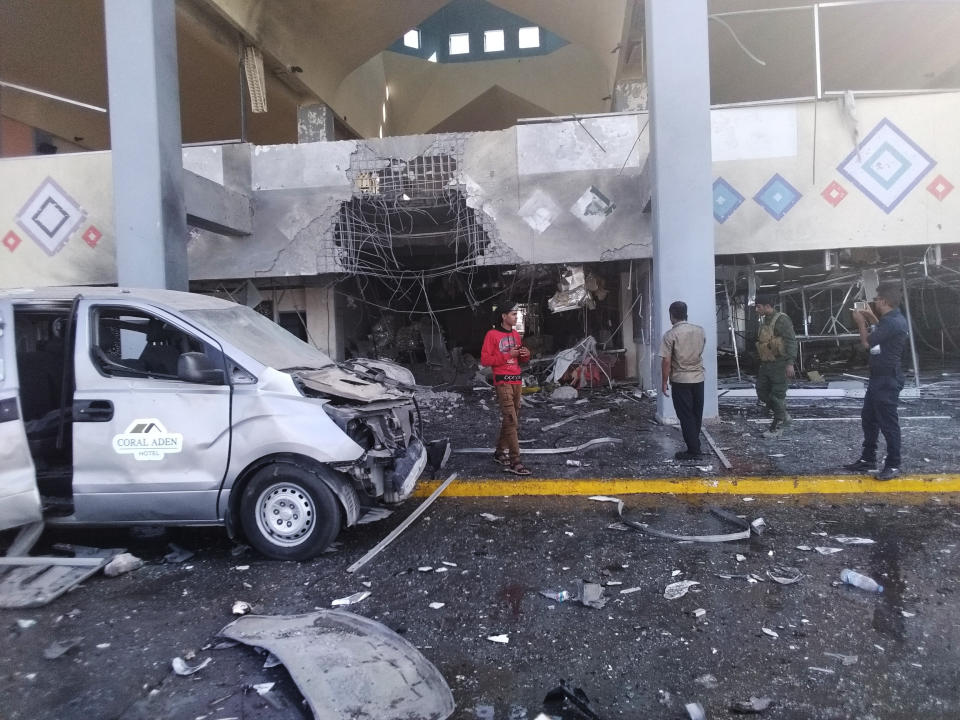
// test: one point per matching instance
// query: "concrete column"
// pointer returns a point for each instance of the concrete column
(678, 72)
(315, 123)
(323, 330)
(149, 212)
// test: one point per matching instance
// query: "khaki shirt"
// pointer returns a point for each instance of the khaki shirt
(683, 344)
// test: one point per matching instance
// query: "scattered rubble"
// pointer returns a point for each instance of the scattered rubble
(123, 563)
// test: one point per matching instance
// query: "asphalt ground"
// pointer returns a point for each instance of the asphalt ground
(641, 656)
(824, 435)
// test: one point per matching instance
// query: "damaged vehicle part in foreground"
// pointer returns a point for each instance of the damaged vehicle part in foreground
(349, 666)
(136, 406)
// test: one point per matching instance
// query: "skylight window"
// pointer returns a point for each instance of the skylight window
(411, 39)
(493, 41)
(460, 44)
(529, 37)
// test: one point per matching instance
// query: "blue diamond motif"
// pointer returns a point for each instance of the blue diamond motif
(725, 200)
(886, 166)
(777, 197)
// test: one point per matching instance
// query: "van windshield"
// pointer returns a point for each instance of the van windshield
(260, 338)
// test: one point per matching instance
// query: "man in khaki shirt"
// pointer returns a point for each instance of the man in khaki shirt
(682, 368)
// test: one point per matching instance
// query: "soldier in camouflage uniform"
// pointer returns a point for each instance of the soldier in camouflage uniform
(777, 348)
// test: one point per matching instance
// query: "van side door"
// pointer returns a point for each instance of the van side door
(19, 497)
(149, 445)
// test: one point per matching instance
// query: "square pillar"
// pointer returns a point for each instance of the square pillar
(149, 213)
(678, 72)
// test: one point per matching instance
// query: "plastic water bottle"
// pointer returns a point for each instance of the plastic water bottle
(851, 577)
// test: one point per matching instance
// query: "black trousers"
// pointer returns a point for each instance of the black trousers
(879, 415)
(688, 403)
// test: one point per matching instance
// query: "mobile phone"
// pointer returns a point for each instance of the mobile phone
(861, 306)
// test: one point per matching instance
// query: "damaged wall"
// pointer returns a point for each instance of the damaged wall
(552, 192)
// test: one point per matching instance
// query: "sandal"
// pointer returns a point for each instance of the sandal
(517, 468)
(502, 457)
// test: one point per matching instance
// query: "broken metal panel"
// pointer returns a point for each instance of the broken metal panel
(349, 666)
(35, 581)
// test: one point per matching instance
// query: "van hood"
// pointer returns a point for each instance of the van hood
(342, 383)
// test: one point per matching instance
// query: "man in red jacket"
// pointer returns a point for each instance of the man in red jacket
(503, 351)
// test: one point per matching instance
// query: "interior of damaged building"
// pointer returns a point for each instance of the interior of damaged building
(221, 521)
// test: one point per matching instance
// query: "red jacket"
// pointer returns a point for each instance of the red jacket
(495, 354)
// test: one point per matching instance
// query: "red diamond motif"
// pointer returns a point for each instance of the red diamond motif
(834, 193)
(91, 236)
(11, 241)
(940, 187)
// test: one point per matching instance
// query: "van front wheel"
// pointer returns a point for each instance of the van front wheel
(288, 512)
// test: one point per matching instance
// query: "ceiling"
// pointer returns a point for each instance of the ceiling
(336, 52)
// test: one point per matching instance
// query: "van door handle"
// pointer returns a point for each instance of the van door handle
(92, 411)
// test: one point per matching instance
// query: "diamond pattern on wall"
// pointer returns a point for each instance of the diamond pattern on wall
(777, 197)
(91, 236)
(834, 193)
(886, 166)
(940, 187)
(50, 217)
(725, 200)
(11, 241)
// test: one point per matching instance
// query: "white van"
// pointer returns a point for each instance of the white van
(122, 406)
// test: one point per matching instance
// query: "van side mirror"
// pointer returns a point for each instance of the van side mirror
(196, 367)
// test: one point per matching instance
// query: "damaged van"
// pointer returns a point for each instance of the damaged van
(160, 407)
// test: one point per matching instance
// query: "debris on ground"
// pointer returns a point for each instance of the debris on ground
(845, 659)
(827, 550)
(241, 607)
(573, 418)
(677, 590)
(546, 451)
(502, 639)
(695, 711)
(177, 554)
(844, 540)
(351, 599)
(491, 517)
(122, 563)
(60, 648)
(180, 666)
(851, 577)
(374, 514)
(31, 581)
(743, 534)
(751, 706)
(557, 595)
(772, 633)
(557, 698)
(24, 624)
(421, 508)
(708, 681)
(784, 575)
(591, 595)
(369, 670)
(564, 392)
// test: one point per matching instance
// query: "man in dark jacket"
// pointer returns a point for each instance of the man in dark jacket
(777, 348)
(885, 339)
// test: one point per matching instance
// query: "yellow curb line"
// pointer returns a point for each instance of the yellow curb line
(792, 485)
